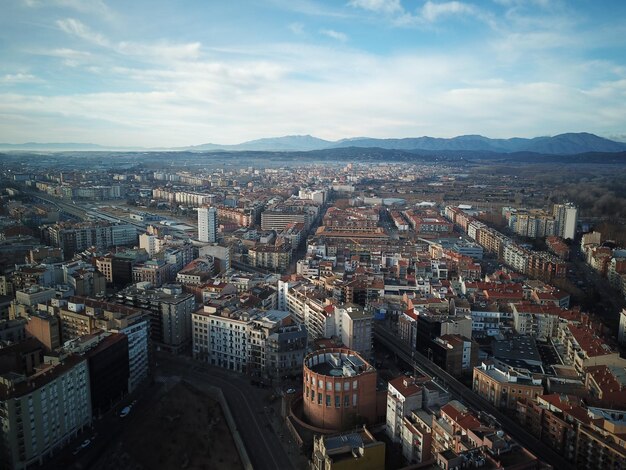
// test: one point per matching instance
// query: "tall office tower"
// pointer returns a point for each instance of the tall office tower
(566, 217)
(207, 224)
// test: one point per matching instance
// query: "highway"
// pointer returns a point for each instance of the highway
(459, 391)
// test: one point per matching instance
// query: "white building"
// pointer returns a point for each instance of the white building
(207, 224)
(353, 326)
(151, 243)
(535, 321)
(621, 334)
(221, 340)
(566, 216)
(403, 397)
(137, 334)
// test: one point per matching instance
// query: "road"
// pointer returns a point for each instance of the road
(459, 391)
(104, 430)
(248, 405)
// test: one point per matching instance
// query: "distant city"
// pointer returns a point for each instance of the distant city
(366, 309)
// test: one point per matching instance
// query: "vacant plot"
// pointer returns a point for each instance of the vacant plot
(185, 429)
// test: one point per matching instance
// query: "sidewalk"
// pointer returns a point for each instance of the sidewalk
(279, 427)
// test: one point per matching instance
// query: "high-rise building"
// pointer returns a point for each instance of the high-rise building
(566, 216)
(621, 334)
(207, 224)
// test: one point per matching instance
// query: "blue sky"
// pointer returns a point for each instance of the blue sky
(154, 73)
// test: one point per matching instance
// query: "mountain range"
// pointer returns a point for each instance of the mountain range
(562, 144)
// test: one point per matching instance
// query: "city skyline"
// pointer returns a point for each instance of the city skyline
(164, 75)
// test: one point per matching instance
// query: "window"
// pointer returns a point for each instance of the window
(354, 399)
(320, 384)
(355, 384)
(346, 386)
(329, 386)
(337, 401)
(337, 386)
(346, 401)
(319, 398)
(327, 400)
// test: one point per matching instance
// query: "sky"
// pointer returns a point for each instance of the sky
(152, 73)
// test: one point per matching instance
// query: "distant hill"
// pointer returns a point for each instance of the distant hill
(288, 143)
(62, 146)
(562, 144)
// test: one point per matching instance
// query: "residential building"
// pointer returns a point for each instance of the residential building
(273, 257)
(41, 410)
(354, 450)
(353, 325)
(566, 216)
(170, 311)
(417, 436)
(502, 387)
(600, 442)
(207, 224)
(46, 328)
(621, 332)
(404, 396)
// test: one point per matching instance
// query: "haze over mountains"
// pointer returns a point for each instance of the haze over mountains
(562, 144)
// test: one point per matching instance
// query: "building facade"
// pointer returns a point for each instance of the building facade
(339, 389)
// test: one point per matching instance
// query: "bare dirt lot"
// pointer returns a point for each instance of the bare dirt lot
(184, 430)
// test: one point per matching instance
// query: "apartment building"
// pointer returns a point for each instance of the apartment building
(273, 257)
(535, 320)
(359, 450)
(417, 436)
(404, 396)
(502, 387)
(170, 311)
(41, 408)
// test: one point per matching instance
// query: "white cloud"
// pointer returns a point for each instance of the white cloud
(296, 28)
(380, 6)
(161, 51)
(14, 78)
(339, 36)
(345, 93)
(95, 7)
(432, 11)
(74, 27)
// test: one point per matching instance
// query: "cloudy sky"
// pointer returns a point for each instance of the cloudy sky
(155, 73)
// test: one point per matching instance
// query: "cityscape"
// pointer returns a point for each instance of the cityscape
(383, 287)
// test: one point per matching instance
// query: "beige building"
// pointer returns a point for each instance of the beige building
(600, 443)
(46, 328)
(274, 257)
(502, 388)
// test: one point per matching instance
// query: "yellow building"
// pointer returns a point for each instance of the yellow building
(502, 387)
(355, 450)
